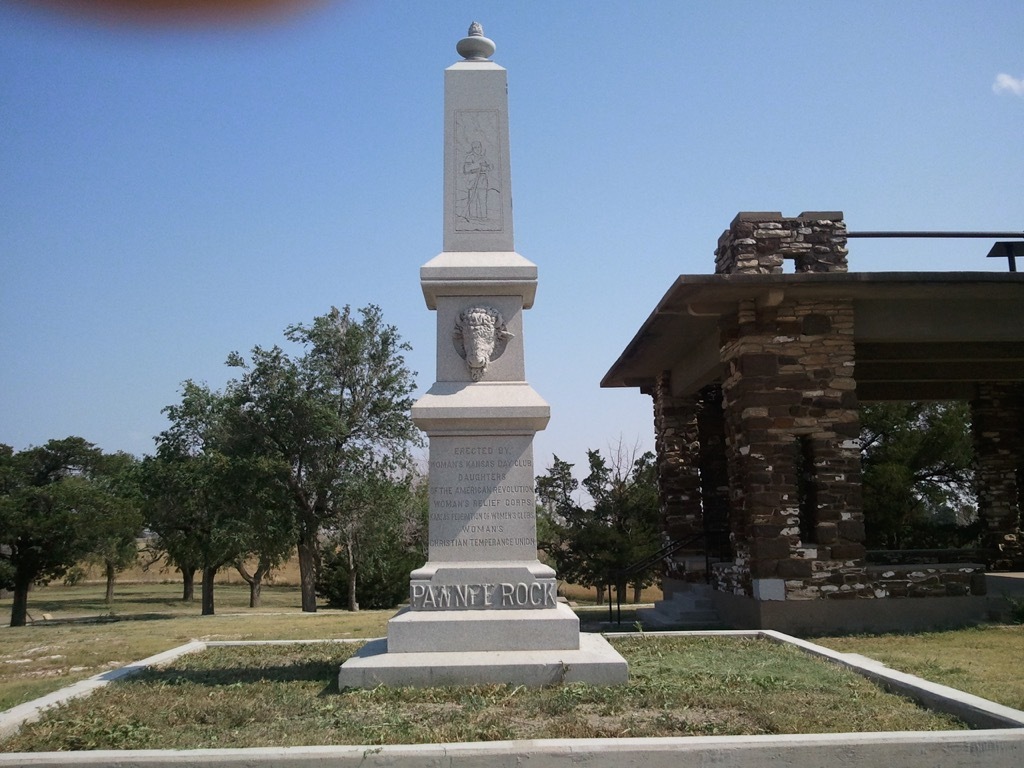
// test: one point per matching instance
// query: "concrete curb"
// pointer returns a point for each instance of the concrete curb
(12, 719)
(973, 710)
(993, 749)
(999, 745)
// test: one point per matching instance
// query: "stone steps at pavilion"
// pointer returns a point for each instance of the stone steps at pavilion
(689, 608)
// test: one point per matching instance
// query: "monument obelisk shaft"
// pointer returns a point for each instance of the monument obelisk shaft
(481, 414)
(483, 589)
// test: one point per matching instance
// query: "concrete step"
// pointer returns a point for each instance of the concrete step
(688, 608)
(687, 603)
(651, 618)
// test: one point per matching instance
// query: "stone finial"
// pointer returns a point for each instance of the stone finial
(475, 47)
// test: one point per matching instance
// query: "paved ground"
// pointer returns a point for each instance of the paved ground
(1009, 584)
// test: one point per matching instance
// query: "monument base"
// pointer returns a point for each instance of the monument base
(556, 629)
(594, 662)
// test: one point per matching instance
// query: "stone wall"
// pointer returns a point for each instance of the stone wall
(791, 420)
(759, 243)
(848, 581)
(997, 415)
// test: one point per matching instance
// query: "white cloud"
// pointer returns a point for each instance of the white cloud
(1005, 82)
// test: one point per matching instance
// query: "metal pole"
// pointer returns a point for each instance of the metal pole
(980, 235)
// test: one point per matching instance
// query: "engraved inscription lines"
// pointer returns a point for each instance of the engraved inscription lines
(478, 498)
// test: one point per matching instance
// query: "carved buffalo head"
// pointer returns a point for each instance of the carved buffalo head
(480, 336)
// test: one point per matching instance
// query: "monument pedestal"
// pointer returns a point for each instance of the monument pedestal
(483, 609)
(594, 661)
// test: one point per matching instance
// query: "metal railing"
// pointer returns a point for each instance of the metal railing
(1007, 250)
(713, 542)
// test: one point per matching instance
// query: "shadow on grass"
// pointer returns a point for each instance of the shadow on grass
(300, 672)
(595, 618)
(106, 619)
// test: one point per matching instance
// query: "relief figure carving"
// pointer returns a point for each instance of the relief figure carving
(476, 168)
(480, 337)
(478, 206)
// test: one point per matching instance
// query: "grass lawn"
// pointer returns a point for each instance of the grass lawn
(287, 696)
(752, 689)
(86, 637)
(985, 660)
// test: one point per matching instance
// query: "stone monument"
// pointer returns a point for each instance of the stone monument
(483, 609)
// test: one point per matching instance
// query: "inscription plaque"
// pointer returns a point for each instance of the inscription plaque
(482, 503)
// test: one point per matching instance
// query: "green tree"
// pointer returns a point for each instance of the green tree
(272, 540)
(206, 504)
(330, 417)
(620, 527)
(917, 481)
(115, 548)
(368, 565)
(53, 513)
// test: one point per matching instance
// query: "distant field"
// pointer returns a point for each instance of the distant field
(159, 572)
(288, 575)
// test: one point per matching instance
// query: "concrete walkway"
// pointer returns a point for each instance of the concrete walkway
(1005, 585)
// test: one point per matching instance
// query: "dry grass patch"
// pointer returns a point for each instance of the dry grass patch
(985, 661)
(287, 696)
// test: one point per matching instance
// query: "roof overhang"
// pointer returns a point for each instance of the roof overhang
(918, 335)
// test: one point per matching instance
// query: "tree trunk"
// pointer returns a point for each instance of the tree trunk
(307, 571)
(638, 591)
(353, 604)
(208, 574)
(188, 577)
(254, 580)
(600, 594)
(256, 589)
(19, 608)
(111, 573)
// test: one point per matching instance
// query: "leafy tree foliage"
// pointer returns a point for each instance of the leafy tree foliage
(329, 419)
(369, 564)
(917, 479)
(115, 548)
(56, 507)
(208, 505)
(621, 526)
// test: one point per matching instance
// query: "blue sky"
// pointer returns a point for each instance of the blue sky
(172, 193)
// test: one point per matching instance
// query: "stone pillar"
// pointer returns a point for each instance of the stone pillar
(759, 243)
(997, 415)
(714, 468)
(677, 453)
(791, 416)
